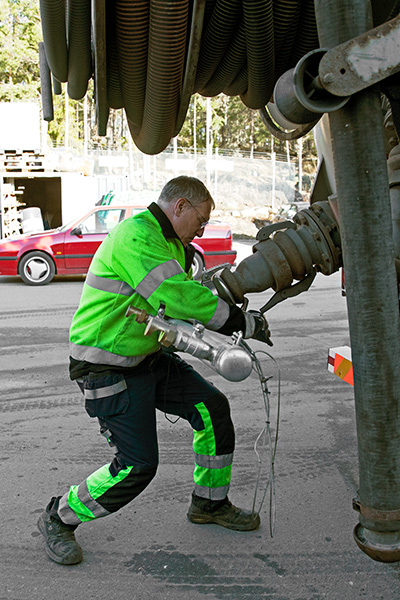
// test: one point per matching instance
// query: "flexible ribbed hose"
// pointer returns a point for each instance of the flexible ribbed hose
(259, 24)
(217, 37)
(144, 62)
(54, 30)
(79, 47)
(165, 68)
(132, 39)
(230, 76)
(286, 24)
(45, 85)
(114, 92)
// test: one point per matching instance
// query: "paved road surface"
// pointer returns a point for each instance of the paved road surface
(149, 550)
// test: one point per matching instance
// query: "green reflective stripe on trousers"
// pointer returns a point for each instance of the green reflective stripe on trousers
(213, 462)
(204, 440)
(212, 473)
(82, 498)
(74, 505)
(215, 494)
(65, 512)
(212, 478)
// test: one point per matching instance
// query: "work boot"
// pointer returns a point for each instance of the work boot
(61, 545)
(226, 515)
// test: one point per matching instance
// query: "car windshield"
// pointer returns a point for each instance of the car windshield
(100, 221)
(66, 226)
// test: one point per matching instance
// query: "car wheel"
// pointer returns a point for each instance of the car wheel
(36, 268)
(197, 265)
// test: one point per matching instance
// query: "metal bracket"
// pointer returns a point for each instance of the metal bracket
(161, 310)
(208, 274)
(265, 232)
(290, 292)
(362, 61)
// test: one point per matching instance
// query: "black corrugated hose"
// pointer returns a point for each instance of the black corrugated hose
(159, 52)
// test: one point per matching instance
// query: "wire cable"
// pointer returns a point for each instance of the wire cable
(265, 437)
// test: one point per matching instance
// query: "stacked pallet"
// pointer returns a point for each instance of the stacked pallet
(15, 161)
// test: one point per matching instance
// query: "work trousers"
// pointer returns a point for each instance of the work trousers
(125, 406)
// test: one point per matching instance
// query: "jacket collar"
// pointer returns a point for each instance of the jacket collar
(165, 223)
(169, 232)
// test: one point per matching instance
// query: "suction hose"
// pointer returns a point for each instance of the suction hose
(150, 56)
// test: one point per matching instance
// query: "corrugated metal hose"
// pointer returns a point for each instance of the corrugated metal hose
(149, 56)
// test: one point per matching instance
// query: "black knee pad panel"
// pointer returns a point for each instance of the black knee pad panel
(126, 489)
(220, 413)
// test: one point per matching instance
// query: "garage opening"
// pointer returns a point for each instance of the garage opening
(18, 193)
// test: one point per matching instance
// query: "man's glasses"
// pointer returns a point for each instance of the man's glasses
(203, 222)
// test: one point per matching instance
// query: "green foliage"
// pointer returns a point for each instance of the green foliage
(234, 126)
(20, 33)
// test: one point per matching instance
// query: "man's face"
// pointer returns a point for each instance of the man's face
(190, 220)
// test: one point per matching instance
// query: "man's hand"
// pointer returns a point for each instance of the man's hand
(257, 327)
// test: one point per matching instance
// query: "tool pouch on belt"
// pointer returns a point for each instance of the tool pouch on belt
(105, 394)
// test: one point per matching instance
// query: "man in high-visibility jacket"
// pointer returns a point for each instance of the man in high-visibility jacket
(125, 376)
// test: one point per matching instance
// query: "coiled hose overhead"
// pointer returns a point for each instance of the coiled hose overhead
(79, 47)
(149, 56)
(168, 32)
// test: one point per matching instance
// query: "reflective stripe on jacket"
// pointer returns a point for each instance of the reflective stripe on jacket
(137, 264)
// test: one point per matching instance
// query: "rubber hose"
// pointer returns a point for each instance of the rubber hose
(99, 27)
(307, 35)
(258, 19)
(286, 23)
(114, 92)
(165, 68)
(45, 85)
(218, 35)
(191, 62)
(239, 84)
(143, 59)
(230, 76)
(55, 37)
(57, 88)
(79, 47)
(132, 31)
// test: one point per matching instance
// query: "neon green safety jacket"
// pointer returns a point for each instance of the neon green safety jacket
(140, 263)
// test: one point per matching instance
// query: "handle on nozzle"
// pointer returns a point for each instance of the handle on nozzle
(141, 315)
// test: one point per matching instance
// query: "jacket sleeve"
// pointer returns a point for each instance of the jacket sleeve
(154, 267)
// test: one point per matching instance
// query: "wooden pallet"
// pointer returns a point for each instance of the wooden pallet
(14, 161)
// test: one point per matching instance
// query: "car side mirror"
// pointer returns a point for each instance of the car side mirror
(77, 230)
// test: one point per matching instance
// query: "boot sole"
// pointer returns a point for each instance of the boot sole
(210, 521)
(58, 559)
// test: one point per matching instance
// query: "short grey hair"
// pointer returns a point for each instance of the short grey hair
(187, 187)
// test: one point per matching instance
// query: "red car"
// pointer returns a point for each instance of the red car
(69, 249)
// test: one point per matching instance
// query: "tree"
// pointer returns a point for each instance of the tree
(20, 33)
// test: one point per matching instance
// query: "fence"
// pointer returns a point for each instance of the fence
(232, 178)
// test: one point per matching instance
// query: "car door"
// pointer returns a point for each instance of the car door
(83, 240)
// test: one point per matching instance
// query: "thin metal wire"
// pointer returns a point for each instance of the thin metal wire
(266, 439)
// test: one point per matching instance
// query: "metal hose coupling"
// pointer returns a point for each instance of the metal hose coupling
(286, 251)
(229, 359)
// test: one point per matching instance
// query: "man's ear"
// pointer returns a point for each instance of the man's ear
(179, 206)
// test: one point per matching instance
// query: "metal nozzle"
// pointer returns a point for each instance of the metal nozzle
(295, 252)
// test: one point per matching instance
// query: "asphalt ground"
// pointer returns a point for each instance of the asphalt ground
(149, 550)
